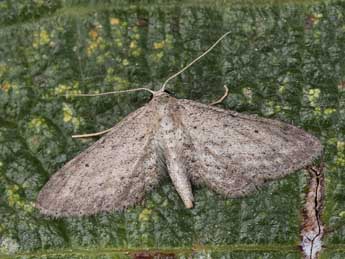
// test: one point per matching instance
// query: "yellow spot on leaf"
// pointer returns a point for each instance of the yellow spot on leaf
(313, 96)
(68, 116)
(159, 56)
(63, 89)
(36, 123)
(96, 40)
(44, 37)
(93, 34)
(67, 112)
(133, 45)
(317, 111)
(114, 21)
(15, 200)
(329, 111)
(316, 18)
(159, 45)
(341, 146)
(12, 195)
(40, 38)
(340, 160)
(5, 86)
(145, 215)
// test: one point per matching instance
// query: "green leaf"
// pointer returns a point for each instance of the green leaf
(282, 61)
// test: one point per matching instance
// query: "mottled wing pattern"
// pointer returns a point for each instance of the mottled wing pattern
(235, 153)
(112, 174)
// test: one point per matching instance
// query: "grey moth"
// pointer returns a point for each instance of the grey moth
(231, 153)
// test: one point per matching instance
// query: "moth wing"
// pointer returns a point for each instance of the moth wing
(234, 153)
(112, 174)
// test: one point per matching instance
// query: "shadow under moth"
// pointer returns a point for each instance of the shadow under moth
(231, 153)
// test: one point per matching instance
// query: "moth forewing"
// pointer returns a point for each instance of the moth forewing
(112, 174)
(237, 153)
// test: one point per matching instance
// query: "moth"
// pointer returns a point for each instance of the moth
(231, 153)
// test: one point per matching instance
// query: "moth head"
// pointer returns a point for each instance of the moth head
(161, 97)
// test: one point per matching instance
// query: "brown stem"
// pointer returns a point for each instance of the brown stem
(313, 230)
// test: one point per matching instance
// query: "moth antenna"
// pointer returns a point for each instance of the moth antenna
(194, 61)
(221, 99)
(113, 92)
(91, 134)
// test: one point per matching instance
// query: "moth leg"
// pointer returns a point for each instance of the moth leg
(221, 99)
(91, 134)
